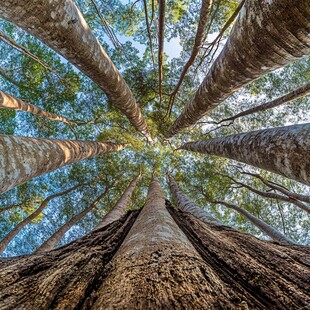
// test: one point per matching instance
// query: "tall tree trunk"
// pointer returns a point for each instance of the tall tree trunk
(263, 226)
(267, 35)
(161, 37)
(61, 26)
(9, 102)
(51, 242)
(121, 206)
(283, 150)
(154, 252)
(9, 237)
(188, 205)
(293, 95)
(23, 158)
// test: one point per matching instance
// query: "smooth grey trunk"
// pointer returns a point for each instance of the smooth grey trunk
(273, 233)
(61, 26)
(51, 242)
(23, 158)
(9, 102)
(155, 241)
(274, 196)
(266, 36)
(188, 205)
(293, 95)
(282, 150)
(121, 206)
(9, 237)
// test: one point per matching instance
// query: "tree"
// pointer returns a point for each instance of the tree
(34, 157)
(270, 149)
(245, 57)
(75, 42)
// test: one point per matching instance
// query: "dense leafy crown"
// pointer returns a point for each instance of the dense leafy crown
(56, 86)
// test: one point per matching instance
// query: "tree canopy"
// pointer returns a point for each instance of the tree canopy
(133, 33)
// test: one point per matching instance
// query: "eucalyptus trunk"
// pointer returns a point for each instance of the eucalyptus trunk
(293, 95)
(273, 233)
(23, 158)
(51, 242)
(282, 150)
(266, 36)
(61, 26)
(121, 206)
(188, 205)
(9, 237)
(9, 102)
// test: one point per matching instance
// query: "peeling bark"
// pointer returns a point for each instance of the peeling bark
(121, 206)
(188, 205)
(263, 226)
(23, 158)
(51, 242)
(61, 26)
(9, 102)
(66, 278)
(267, 35)
(282, 150)
(9, 237)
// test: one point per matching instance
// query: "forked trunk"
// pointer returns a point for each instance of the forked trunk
(263, 226)
(9, 102)
(51, 242)
(282, 150)
(267, 35)
(9, 237)
(121, 206)
(61, 26)
(23, 158)
(188, 205)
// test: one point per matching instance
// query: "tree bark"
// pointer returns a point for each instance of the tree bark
(282, 150)
(51, 242)
(267, 35)
(263, 226)
(23, 158)
(121, 206)
(188, 205)
(9, 237)
(149, 270)
(9, 102)
(293, 95)
(61, 26)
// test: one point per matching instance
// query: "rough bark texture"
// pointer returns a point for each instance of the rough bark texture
(23, 158)
(156, 267)
(9, 102)
(283, 150)
(66, 278)
(188, 205)
(9, 237)
(263, 226)
(51, 242)
(61, 26)
(121, 206)
(293, 95)
(255, 274)
(267, 35)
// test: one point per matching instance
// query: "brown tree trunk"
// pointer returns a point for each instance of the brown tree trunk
(61, 26)
(9, 102)
(51, 242)
(293, 95)
(267, 35)
(263, 226)
(283, 150)
(188, 205)
(23, 158)
(121, 206)
(9, 237)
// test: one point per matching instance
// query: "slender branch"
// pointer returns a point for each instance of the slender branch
(148, 27)
(161, 26)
